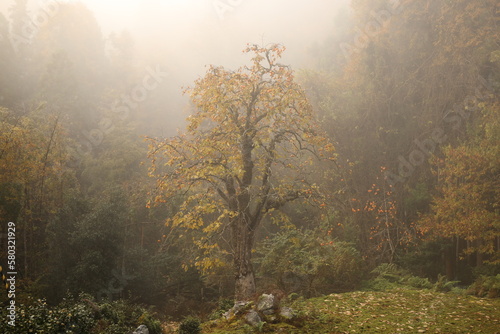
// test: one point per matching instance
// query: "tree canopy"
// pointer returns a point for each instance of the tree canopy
(247, 151)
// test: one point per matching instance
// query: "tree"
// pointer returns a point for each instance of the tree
(32, 172)
(72, 66)
(243, 156)
(409, 66)
(466, 204)
(8, 64)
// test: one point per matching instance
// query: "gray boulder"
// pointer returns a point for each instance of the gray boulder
(236, 309)
(142, 329)
(253, 319)
(239, 306)
(287, 313)
(266, 304)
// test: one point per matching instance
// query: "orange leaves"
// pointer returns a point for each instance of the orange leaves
(378, 209)
(326, 243)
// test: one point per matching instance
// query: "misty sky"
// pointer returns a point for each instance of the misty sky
(184, 36)
(199, 32)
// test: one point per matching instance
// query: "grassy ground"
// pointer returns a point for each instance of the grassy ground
(397, 311)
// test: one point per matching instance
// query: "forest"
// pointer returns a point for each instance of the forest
(365, 163)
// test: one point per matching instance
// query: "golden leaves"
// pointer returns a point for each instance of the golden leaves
(467, 199)
(248, 142)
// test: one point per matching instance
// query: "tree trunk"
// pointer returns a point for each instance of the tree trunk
(450, 261)
(245, 285)
(243, 238)
(244, 228)
(479, 255)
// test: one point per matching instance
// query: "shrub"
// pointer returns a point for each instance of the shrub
(153, 324)
(390, 272)
(386, 276)
(38, 317)
(309, 261)
(79, 316)
(443, 285)
(224, 305)
(389, 275)
(120, 316)
(190, 325)
(486, 286)
(487, 269)
(419, 282)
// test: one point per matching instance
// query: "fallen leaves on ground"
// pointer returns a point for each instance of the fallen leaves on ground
(398, 311)
(404, 311)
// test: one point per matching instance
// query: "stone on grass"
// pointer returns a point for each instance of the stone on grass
(142, 329)
(266, 304)
(236, 309)
(253, 319)
(287, 313)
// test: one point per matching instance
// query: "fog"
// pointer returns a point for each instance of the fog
(182, 37)
(193, 33)
(373, 171)
(185, 36)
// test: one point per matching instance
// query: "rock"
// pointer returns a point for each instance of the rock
(236, 309)
(266, 304)
(142, 329)
(287, 313)
(253, 319)
(239, 306)
(268, 312)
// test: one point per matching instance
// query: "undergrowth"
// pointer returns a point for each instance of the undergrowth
(79, 315)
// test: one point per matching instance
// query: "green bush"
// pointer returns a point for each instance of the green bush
(309, 261)
(388, 276)
(390, 272)
(224, 305)
(190, 325)
(79, 316)
(419, 282)
(38, 317)
(487, 269)
(486, 286)
(120, 316)
(153, 324)
(443, 285)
